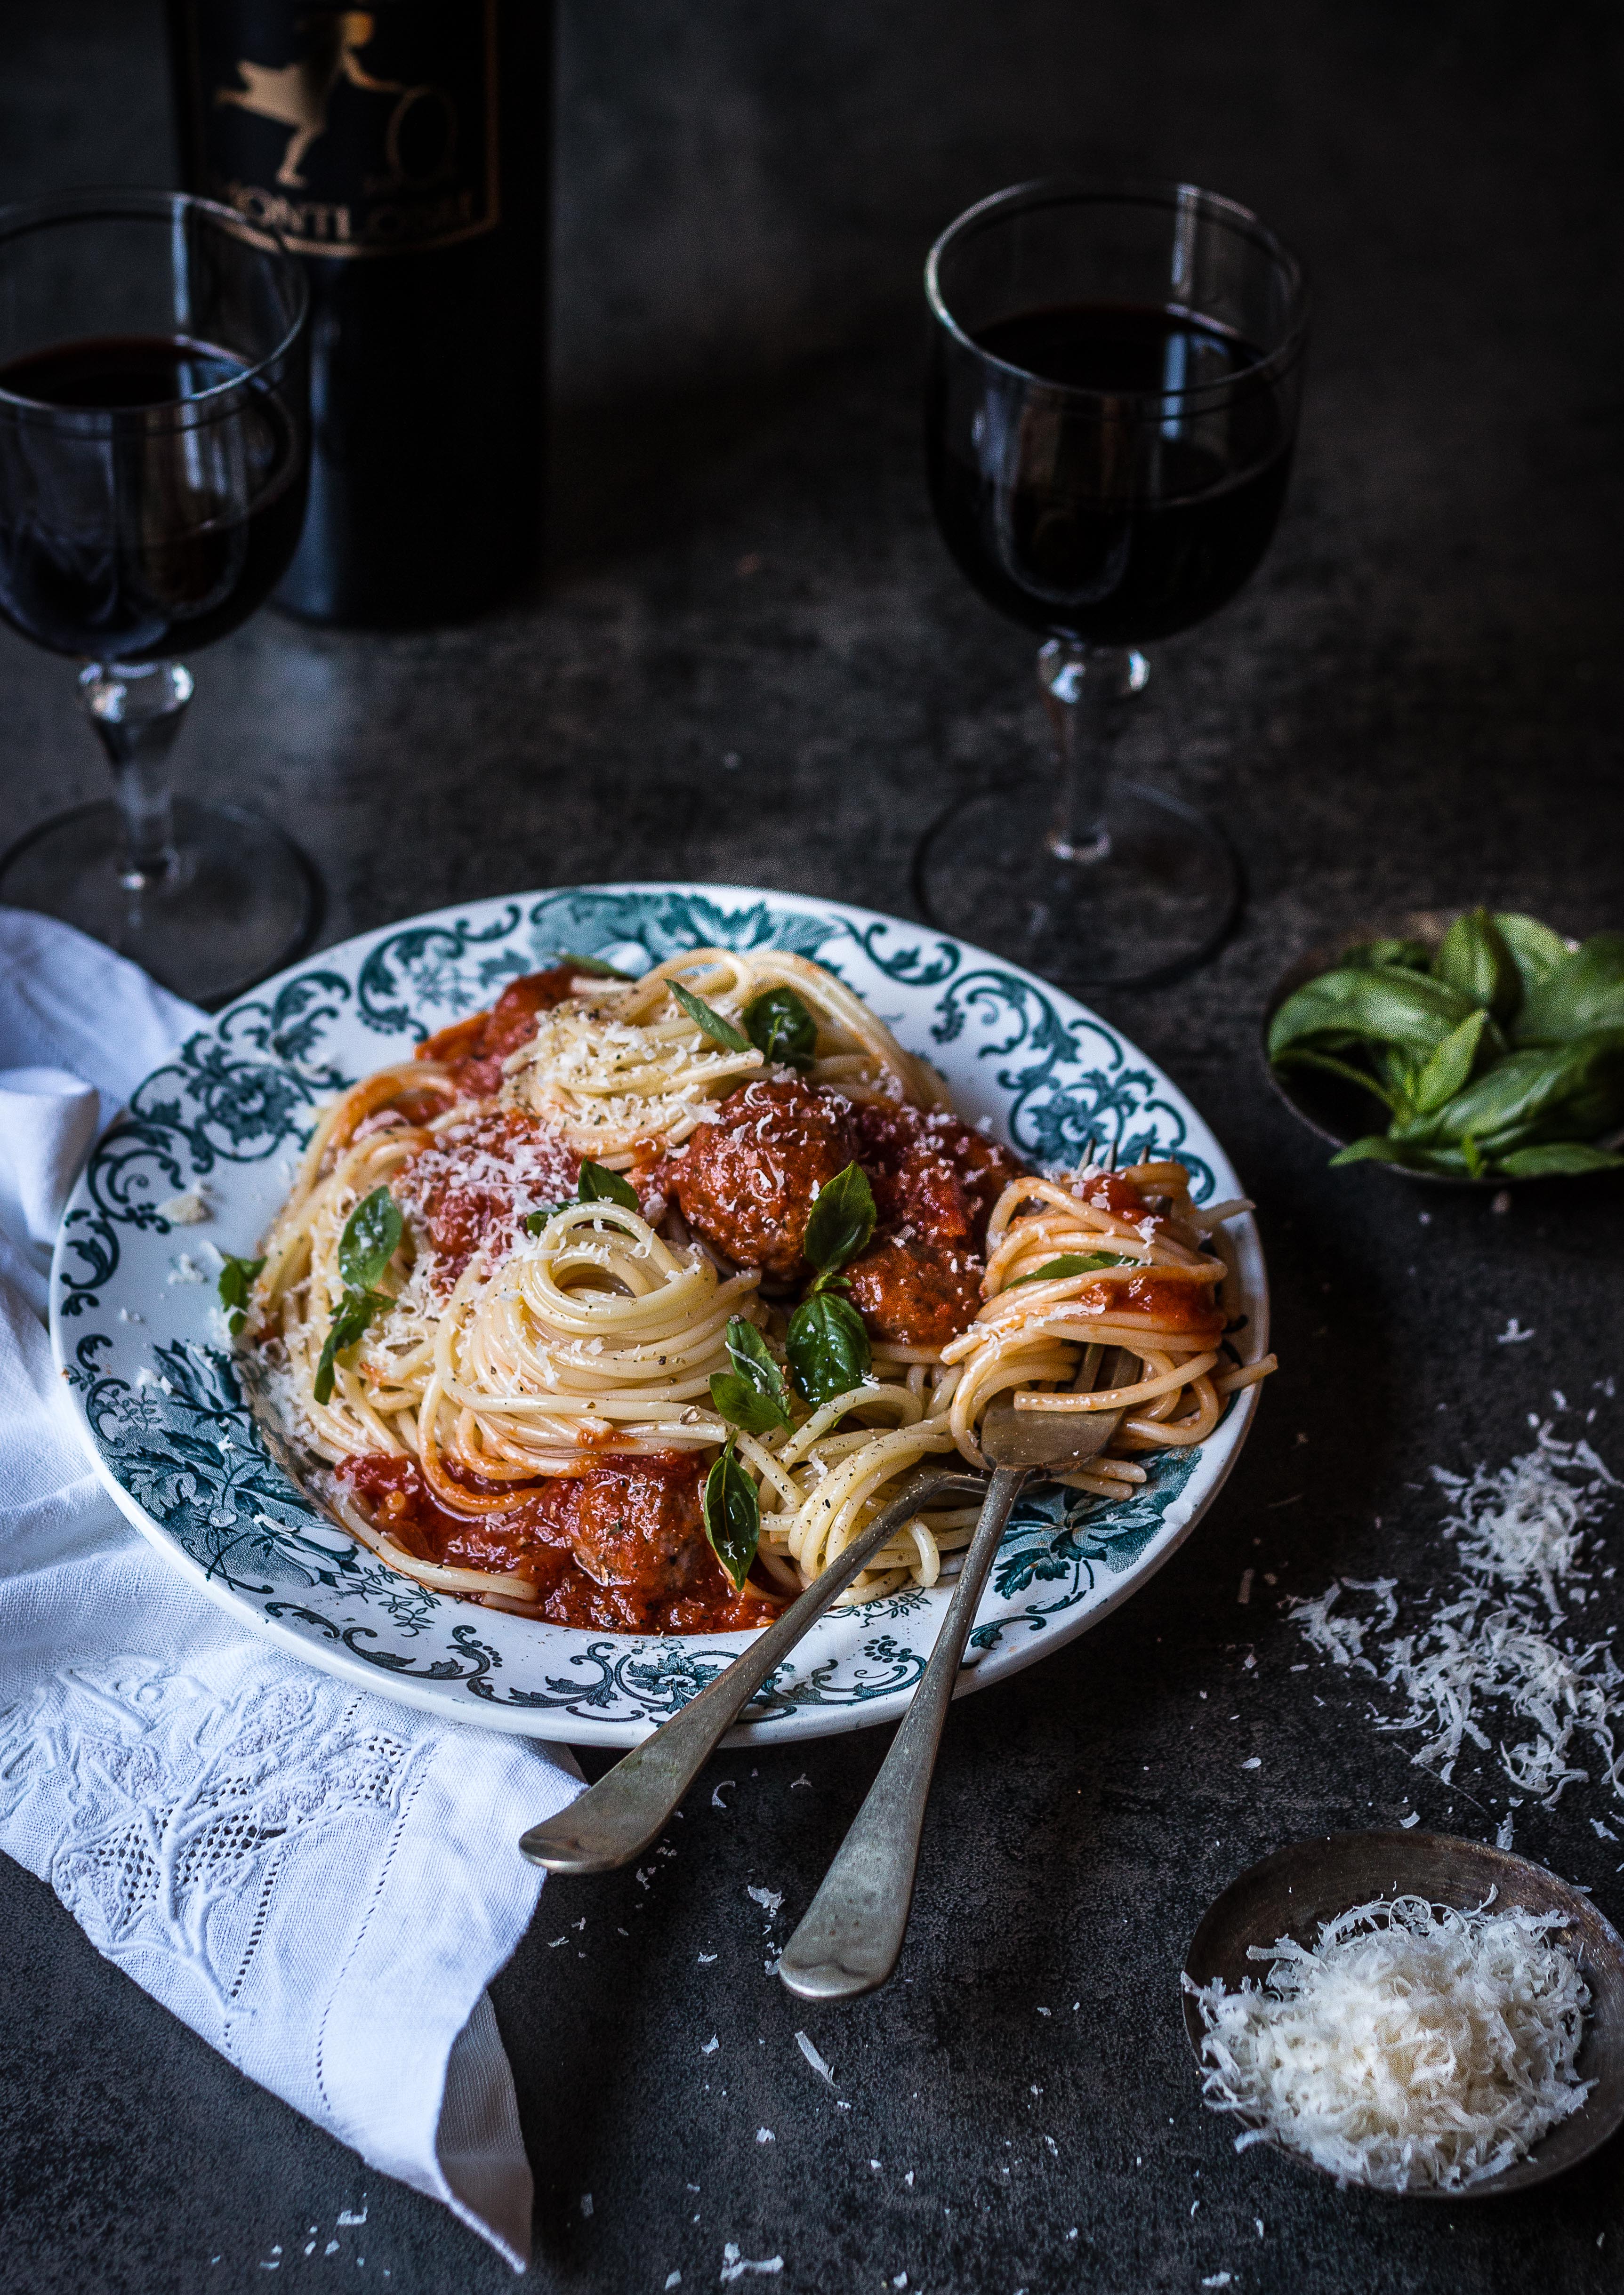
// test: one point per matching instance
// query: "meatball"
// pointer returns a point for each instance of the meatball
(932, 1172)
(620, 1549)
(914, 1290)
(638, 1524)
(748, 1181)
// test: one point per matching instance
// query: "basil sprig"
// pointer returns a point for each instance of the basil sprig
(355, 1311)
(732, 1515)
(371, 1236)
(237, 1280)
(751, 1395)
(596, 1185)
(827, 1344)
(1499, 1054)
(709, 1021)
(828, 1347)
(1071, 1263)
(781, 1028)
(367, 1244)
(839, 1224)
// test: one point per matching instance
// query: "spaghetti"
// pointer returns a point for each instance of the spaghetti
(590, 1213)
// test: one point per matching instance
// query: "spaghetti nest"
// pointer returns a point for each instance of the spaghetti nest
(544, 1310)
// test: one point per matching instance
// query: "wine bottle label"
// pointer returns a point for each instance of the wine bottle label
(351, 131)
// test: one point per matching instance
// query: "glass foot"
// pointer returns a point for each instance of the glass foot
(240, 901)
(1161, 900)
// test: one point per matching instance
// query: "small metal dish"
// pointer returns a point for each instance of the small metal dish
(1341, 1112)
(1292, 1892)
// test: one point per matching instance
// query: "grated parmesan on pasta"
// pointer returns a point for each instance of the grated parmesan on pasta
(1412, 2046)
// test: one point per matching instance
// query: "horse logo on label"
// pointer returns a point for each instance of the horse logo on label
(297, 96)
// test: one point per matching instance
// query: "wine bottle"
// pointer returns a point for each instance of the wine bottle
(403, 152)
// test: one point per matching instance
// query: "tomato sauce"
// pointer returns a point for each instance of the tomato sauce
(475, 1183)
(474, 1049)
(619, 1547)
(1180, 1305)
(1108, 1191)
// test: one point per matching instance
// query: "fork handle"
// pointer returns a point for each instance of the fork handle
(851, 1937)
(617, 1820)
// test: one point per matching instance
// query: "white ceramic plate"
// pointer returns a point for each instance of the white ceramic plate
(138, 1331)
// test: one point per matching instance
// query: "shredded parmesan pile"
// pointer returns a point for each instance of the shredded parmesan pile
(1521, 1536)
(1415, 2045)
(607, 1083)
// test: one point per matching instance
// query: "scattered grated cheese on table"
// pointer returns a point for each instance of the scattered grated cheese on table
(1413, 2045)
(1521, 1534)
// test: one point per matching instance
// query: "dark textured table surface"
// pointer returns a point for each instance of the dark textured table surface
(1416, 702)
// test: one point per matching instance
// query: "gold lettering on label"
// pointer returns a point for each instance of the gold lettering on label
(313, 220)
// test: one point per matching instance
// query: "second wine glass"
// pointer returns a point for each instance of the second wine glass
(1110, 420)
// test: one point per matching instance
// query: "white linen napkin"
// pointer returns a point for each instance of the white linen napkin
(318, 1881)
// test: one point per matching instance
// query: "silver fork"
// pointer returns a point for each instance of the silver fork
(851, 1937)
(617, 1820)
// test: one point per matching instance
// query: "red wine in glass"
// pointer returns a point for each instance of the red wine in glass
(1109, 421)
(177, 580)
(1123, 537)
(154, 453)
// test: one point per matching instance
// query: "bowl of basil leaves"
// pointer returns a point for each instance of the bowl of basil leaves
(1487, 1050)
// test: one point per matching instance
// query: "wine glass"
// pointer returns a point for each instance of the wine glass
(1112, 406)
(154, 447)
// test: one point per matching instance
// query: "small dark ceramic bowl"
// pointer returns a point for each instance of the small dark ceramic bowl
(1292, 1892)
(1341, 1112)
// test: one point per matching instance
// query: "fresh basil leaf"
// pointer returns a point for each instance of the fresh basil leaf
(1476, 1165)
(1378, 1149)
(828, 1347)
(237, 1280)
(732, 1517)
(709, 1021)
(1449, 1069)
(751, 1395)
(1573, 1090)
(1375, 1148)
(841, 1220)
(1582, 994)
(598, 1185)
(744, 1405)
(1301, 1056)
(368, 1242)
(1398, 1070)
(1387, 1006)
(355, 1311)
(1407, 955)
(752, 1358)
(592, 964)
(781, 1028)
(1535, 949)
(1556, 1158)
(1472, 958)
(1071, 1263)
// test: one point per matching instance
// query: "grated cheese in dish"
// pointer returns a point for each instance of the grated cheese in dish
(1412, 2046)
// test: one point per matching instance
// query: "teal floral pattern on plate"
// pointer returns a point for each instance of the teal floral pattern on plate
(172, 1425)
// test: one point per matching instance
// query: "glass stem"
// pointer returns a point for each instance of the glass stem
(1086, 689)
(137, 711)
